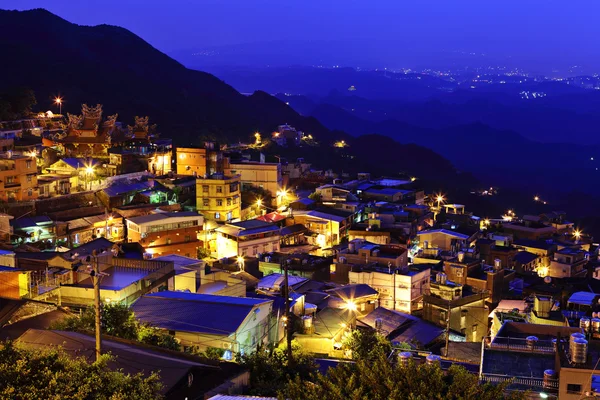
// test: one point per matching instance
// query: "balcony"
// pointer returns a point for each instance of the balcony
(522, 382)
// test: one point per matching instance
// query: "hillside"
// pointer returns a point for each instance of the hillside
(110, 65)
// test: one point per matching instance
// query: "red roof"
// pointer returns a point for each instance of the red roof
(272, 217)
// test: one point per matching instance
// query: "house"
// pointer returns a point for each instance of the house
(275, 282)
(329, 225)
(124, 279)
(167, 232)
(14, 282)
(400, 328)
(529, 229)
(203, 321)
(359, 298)
(200, 161)
(567, 263)
(18, 178)
(334, 193)
(389, 194)
(122, 192)
(446, 240)
(180, 376)
(556, 360)
(298, 264)
(247, 238)
(262, 175)
(399, 289)
(527, 262)
(218, 197)
(465, 312)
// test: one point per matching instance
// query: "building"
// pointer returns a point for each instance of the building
(200, 161)
(329, 225)
(167, 233)
(468, 271)
(326, 332)
(465, 313)
(125, 281)
(218, 197)
(18, 178)
(567, 263)
(401, 328)
(247, 239)
(446, 239)
(202, 321)
(389, 194)
(266, 176)
(556, 360)
(527, 229)
(360, 298)
(87, 135)
(400, 287)
(14, 282)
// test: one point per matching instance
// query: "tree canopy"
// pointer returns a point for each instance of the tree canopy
(53, 375)
(379, 379)
(118, 320)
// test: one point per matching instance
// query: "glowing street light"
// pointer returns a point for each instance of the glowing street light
(536, 198)
(240, 262)
(577, 234)
(58, 101)
(350, 305)
(259, 203)
(439, 198)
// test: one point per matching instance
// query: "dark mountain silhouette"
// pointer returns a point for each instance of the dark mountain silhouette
(110, 65)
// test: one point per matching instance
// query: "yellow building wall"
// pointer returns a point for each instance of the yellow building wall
(190, 161)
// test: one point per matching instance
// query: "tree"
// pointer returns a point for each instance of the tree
(380, 379)
(118, 320)
(29, 375)
(367, 344)
(270, 371)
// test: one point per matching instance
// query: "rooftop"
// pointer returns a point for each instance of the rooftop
(145, 219)
(191, 312)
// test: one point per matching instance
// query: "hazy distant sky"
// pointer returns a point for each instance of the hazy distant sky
(534, 31)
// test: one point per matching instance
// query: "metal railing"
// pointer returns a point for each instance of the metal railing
(520, 345)
(530, 382)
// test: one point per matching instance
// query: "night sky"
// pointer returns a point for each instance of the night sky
(531, 32)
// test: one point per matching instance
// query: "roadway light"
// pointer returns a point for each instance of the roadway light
(577, 234)
(350, 305)
(58, 101)
(89, 170)
(259, 202)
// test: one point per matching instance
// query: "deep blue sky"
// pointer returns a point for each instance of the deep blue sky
(533, 32)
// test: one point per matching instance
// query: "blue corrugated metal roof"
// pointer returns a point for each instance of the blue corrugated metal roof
(121, 188)
(191, 312)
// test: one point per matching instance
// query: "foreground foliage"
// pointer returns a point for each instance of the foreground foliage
(53, 375)
(270, 369)
(378, 379)
(118, 320)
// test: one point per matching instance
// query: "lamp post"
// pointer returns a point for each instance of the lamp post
(58, 101)
(88, 172)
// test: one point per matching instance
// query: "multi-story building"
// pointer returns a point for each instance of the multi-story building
(447, 305)
(18, 178)
(247, 238)
(167, 233)
(399, 289)
(218, 197)
(330, 225)
(567, 263)
(266, 176)
(200, 161)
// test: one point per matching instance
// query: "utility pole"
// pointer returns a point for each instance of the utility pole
(448, 328)
(96, 280)
(288, 326)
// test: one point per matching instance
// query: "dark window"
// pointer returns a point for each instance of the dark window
(573, 388)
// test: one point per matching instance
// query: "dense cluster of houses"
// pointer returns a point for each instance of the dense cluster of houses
(185, 238)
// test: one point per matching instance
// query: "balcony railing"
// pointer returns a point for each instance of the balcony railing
(522, 381)
(520, 345)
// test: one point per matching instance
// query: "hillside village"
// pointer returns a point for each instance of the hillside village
(228, 250)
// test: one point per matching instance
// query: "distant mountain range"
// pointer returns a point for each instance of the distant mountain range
(110, 65)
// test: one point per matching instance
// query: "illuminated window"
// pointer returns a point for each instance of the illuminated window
(28, 163)
(217, 215)
(219, 202)
(205, 202)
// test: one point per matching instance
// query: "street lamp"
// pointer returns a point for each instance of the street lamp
(89, 170)
(351, 305)
(240, 262)
(439, 199)
(577, 234)
(58, 101)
